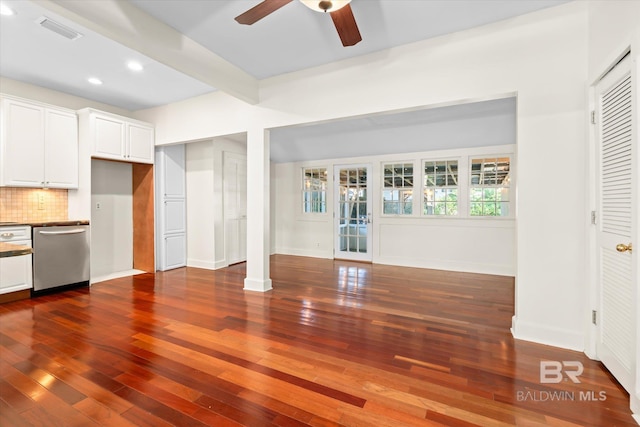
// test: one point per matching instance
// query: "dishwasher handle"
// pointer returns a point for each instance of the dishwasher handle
(55, 233)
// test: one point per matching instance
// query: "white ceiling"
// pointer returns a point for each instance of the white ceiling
(192, 47)
(290, 39)
(478, 124)
(294, 37)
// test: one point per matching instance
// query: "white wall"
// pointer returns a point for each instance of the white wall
(205, 204)
(112, 224)
(541, 57)
(200, 205)
(37, 93)
(477, 245)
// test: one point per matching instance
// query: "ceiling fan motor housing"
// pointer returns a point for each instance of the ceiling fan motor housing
(325, 5)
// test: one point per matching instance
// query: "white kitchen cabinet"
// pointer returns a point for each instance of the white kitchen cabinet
(15, 272)
(39, 145)
(115, 137)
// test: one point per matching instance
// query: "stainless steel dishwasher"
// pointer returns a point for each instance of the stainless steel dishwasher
(60, 257)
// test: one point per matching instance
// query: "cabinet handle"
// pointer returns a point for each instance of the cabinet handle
(7, 235)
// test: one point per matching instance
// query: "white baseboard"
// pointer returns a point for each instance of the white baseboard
(207, 265)
(634, 401)
(466, 267)
(115, 275)
(541, 334)
(257, 285)
(304, 252)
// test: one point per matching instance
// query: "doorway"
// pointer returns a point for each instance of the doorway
(352, 222)
(235, 207)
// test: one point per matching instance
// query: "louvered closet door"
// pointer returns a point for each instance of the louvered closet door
(616, 182)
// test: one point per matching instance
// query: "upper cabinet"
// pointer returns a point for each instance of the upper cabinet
(117, 138)
(38, 145)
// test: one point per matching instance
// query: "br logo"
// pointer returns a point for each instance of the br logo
(553, 372)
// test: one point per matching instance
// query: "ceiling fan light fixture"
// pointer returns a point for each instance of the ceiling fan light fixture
(325, 5)
(6, 10)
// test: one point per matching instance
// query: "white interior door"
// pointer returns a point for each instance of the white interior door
(616, 188)
(352, 212)
(235, 207)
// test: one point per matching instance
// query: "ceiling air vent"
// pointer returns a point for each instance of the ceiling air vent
(56, 27)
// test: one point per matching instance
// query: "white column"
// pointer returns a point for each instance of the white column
(258, 246)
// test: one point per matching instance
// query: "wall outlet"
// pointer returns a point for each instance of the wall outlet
(40, 201)
(98, 206)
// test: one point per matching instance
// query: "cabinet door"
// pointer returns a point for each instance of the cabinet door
(174, 216)
(61, 149)
(22, 145)
(173, 172)
(140, 143)
(15, 272)
(108, 138)
(175, 251)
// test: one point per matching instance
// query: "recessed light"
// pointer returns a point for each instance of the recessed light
(134, 66)
(94, 81)
(6, 10)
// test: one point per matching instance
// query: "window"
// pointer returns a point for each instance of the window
(314, 190)
(440, 187)
(489, 187)
(397, 192)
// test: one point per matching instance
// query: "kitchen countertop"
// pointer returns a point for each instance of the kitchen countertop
(10, 249)
(46, 223)
(58, 223)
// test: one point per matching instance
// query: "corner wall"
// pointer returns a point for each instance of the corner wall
(205, 204)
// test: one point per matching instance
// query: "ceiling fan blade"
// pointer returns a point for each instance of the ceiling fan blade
(261, 10)
(346, 25)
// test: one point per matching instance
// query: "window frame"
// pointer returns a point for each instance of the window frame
(303, 190)
(459, 186)
(510, 187)
(464, 184)
(382, 188)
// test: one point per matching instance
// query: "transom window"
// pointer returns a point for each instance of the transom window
(314, 190)
(397, 192)
(440, 187)
(489, 186)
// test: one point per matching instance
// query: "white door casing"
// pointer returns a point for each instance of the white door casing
(616, 190)
(352, 219)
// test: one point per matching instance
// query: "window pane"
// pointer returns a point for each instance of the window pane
(489, 192)
(314, 188)
(440, 182)
(398, 181)
(390, 208)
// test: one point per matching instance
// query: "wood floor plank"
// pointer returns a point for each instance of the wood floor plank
(335, 343)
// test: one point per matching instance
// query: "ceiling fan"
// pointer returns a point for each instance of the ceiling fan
(340, 12)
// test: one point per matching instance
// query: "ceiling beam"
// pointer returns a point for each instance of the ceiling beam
(126, 24)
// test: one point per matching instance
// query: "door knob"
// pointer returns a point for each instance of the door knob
(621, 247)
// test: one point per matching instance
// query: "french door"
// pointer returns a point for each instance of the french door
(352, 212)
(617, 225)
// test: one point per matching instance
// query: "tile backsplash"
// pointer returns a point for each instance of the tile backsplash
(33, 204)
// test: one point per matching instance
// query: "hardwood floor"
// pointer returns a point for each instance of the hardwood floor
(335, 343)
